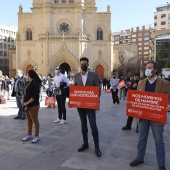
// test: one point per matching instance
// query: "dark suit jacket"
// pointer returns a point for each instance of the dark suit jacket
(92, 79)
(162, 86)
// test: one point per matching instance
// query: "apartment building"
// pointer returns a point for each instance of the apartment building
(136, 36)
(7, 41)
(162, 17)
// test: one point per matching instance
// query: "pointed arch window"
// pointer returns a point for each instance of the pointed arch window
(56, 1)
(29, 34)
(99, 34)
(71, 1)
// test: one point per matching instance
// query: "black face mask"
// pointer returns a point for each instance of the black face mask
(114, 77)
(84, 68)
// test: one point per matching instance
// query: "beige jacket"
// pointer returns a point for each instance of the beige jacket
(162, 86)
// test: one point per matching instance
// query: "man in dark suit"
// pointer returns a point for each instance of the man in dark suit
(88, 78)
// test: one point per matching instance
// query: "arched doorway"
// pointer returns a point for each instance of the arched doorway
(65, 66)
(100, 71)
(29, 67)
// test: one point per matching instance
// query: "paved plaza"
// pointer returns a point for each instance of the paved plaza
(57, 148)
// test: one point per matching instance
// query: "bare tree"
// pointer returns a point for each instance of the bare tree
(128, 65)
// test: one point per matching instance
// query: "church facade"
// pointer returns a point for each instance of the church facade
(60, 32)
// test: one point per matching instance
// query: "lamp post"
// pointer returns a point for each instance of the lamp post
(35, 68)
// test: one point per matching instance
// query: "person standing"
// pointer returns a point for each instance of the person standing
(104, 82)
(49, 90)
(30, 101)
(7, 81)
(3, 85)
(41, 87)
(132, 86)
(114, 88)
(19, 90)
(108, 83)
(88, 78)
(152, 83)
(59, 80)
(122, 89)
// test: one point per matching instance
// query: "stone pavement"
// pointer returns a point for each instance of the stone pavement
(57, 148)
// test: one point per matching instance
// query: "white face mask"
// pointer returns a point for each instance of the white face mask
(56, 71)
(148, 72)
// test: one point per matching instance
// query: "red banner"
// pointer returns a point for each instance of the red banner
(50, 101)
(108, 91)
(147, 105)
(84, 97)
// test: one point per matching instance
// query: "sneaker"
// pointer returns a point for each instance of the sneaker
(35, 139)
(57, 121)
(62, 122)
(26, 138)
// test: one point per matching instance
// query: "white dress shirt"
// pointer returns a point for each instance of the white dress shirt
(84, 78)
(60, 78)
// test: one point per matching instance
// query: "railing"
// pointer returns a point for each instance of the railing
(61, 37)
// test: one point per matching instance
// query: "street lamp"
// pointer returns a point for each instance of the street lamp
(35, 68)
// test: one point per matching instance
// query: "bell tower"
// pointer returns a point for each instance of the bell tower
(90, 4)
(37, 2)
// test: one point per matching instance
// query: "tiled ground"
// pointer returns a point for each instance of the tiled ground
(57, 148)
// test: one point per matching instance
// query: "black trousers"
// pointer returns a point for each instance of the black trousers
(61, 100)
(115, 96)
(91, 114)
(129, 122)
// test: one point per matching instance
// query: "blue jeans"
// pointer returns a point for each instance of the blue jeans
(83, 113)
(157, 131)
(19, 105)
(122, 90)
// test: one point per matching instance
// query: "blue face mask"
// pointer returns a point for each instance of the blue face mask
(148, 72)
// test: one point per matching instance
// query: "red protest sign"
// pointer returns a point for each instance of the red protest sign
(121, 84)
(84, 97)
(50, 101)
(147, 105)
(108, 91)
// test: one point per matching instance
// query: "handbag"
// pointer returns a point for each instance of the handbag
(64, 89)
(55, 92)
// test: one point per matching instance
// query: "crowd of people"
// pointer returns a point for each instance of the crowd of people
(28, 92)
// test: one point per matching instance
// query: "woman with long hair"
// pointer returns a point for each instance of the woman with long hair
(30, 101)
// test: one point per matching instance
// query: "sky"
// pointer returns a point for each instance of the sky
(125, 13)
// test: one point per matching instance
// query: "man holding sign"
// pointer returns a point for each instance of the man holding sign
(87, 78)
(151, 84)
